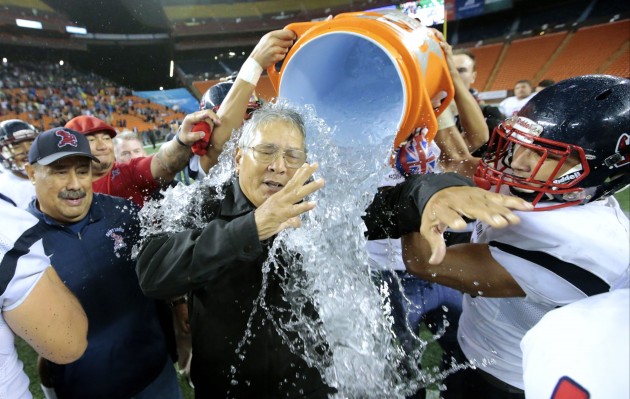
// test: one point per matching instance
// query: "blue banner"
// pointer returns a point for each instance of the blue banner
(468, 8)
(179, 98)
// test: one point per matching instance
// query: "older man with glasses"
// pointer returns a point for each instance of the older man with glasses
(225, 273)
(222, 264)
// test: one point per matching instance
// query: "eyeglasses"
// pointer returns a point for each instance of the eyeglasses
(267, 153)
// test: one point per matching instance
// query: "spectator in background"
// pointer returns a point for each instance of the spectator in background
(34, 303)
(523, 92)
(89, 238)
(465, 63)
(150, 137)
(16, 137)
(543, 84)
(128, 146)
(462, 126)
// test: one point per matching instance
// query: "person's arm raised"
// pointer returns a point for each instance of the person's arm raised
(51, 320)
(469, 268)
(473, 122)
(174, 155)
(271, 49)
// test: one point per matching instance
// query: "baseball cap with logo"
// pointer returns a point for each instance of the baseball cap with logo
(58, 143)
(87, 124)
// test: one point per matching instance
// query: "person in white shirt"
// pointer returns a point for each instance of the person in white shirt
(567, 153)
(523, 92)
(581, 350)
(16, 137)
(34, 303)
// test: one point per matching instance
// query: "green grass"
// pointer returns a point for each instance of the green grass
(624, 200)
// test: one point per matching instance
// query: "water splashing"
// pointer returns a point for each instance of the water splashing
(351, 344)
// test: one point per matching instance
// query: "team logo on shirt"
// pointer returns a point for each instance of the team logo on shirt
(569, 389)
(65, 138)
(119, 241)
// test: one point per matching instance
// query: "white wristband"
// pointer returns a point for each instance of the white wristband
(250, 71)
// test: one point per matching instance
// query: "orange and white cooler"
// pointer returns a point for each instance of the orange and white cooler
(370, 75)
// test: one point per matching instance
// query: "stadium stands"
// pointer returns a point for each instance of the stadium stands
(524, 58)
(589, 48)
(487, 57)
(601, 48)
(48, 95)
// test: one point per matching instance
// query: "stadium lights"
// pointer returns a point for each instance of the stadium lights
(161, 88)
(4, 60)
(61, 62)
(171, 69)
(76, 30)
(27, 23)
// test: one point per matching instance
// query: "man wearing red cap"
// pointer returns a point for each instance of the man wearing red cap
(139, 177)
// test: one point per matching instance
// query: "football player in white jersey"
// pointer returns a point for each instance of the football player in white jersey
(567, 151)
(16, 137)
(580, 351)
(34, 303)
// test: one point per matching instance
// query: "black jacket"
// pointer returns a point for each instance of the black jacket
(221, 265)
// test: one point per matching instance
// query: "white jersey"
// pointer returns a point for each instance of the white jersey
(581, 350)
(386, 254)
(22, 263)
(195, 166)
(20, 191)
(557, 257)
(512, 105)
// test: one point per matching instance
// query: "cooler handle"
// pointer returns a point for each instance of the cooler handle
(299, 28)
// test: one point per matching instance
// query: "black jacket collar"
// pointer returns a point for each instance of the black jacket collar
(235, 202)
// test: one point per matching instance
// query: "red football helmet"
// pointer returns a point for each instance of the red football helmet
(584, 120)
(14, 131)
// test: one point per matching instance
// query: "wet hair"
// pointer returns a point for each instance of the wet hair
(468, 53)
(126, 136)
(268, 114)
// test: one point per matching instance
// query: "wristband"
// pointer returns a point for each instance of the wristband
(250, 71)
(178, 301)
(180, 141)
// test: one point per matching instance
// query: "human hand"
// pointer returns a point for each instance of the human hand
(282, 210)
(448, 207)
(187, 135)
(200, 147)
(273, 47)
(180, 312)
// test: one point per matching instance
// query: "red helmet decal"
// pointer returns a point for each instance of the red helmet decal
(623, 149)
(65, 138)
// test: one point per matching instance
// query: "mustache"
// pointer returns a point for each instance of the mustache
(72, 194)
